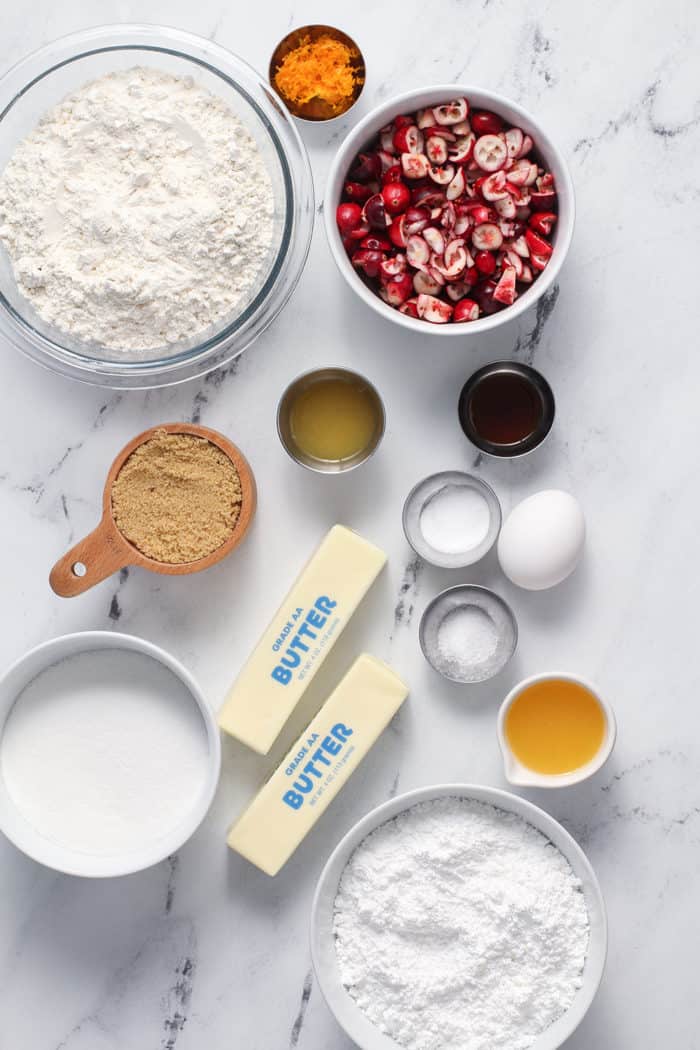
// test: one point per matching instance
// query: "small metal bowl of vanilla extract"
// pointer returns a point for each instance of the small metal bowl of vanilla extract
(506, 409)
(330, 420)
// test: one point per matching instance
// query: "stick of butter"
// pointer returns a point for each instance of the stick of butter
(300, 637)
(316, 767)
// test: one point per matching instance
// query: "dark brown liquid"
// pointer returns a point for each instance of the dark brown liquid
(505, 408)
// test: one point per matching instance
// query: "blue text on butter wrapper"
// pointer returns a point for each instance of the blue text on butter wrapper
(316, 618)
(304, 784)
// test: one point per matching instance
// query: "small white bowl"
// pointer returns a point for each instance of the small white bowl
(20, 831)
(520, 775)
(479, 98)
(346, 1011)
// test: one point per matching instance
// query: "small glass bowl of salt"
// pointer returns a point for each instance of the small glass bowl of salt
(468, 634)
(452, 519)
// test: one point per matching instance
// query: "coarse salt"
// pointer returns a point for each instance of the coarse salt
(467, 637)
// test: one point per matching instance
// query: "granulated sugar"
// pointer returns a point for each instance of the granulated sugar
(459, 926)
(467, 637)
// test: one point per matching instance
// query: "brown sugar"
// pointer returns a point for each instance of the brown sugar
(177, 498)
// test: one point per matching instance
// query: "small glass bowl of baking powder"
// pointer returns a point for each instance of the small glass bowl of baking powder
(33, 87)
(452, 519)
(468, 634)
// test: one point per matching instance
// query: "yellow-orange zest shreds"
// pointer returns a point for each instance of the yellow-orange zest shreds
(319, 68)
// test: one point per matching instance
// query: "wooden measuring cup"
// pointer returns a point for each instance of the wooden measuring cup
(106, 550)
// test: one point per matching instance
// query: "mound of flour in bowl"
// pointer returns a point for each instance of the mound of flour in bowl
(459, 926)
(138, 212)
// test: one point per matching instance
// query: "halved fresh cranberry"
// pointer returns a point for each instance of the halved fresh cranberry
(511, 258)
(457, 185)
(425, 118)
(367, 261)
(426, 284)
(374, 212)
(542, 222)
(505, 207)
(359, 232)
(397, 231)
(386, 139)
(417, 251)
(375, 243)
(396, 197)
(392, 267)
(436, 150)
(454, 260)
(367, 166)
(428, 196)
(484, 296)
(409, 139)
(484, 122)
(537, 244)
(435, 239)
(505, 292)
(399, 290)
(410, 308)
(526, 276)
(403, 121)
(434, 310)
(485, 263)
(463, 148)
(442, 176)
(493, 187)
(451, 112)
(487, 237)
(514, 142)
(466, 310)
(416, 219)
(415, 165)
(538, 262)
(490, 152)
(457, 290)
(392, 174)
(348, 217)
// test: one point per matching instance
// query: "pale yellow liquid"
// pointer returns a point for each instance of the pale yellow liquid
(333, 419)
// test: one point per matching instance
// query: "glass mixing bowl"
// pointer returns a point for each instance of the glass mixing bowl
(41, 80)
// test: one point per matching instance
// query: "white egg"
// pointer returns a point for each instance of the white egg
(542, 540)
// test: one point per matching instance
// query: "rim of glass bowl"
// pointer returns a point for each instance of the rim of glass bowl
(288, 265)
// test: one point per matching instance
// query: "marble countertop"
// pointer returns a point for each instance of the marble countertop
(204, 950)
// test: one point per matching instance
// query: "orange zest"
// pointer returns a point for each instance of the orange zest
(321, 69)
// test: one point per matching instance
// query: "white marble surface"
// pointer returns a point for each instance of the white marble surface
(204, 950)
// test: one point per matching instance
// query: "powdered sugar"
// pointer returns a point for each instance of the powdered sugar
(138, 212)
(459, 926)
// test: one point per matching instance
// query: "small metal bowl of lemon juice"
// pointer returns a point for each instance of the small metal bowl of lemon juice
(330, 420)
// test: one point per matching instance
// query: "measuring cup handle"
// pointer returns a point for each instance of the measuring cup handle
(100, 554)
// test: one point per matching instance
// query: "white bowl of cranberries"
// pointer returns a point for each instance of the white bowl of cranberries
(449, 210)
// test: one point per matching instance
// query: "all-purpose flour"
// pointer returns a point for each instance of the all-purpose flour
(460, 927)
(138, 212)
(104, 751)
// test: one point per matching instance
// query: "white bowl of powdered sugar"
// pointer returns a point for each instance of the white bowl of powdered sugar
(156, 205)
(458, 917)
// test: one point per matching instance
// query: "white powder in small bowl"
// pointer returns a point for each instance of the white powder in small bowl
(459, 926)
(105, 752)
(455, 519)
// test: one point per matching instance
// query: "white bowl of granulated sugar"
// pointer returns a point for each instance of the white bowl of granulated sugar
(458, 916)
